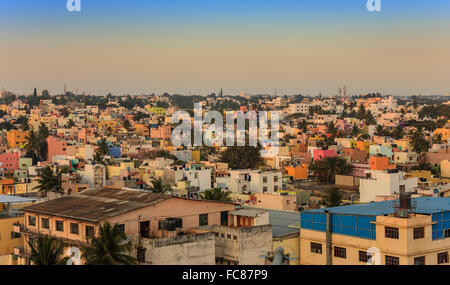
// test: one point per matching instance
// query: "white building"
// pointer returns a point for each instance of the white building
(381, 183)
(254, 181)
(297, 108)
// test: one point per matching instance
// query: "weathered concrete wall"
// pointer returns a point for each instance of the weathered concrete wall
(244, 246)
(182, 250)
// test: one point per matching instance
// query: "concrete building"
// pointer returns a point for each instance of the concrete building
(251, 181)
(381, 183)
(377, 233)
(72, 219)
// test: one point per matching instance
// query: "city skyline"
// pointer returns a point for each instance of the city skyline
(129, 47)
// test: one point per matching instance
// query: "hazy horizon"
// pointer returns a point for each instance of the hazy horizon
(292, 46)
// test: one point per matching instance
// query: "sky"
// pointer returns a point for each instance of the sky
(197, 46)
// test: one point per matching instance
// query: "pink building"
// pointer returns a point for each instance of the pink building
(10, 160)
(56, 146)
(359, 169)
(319, 154)
(162, 132)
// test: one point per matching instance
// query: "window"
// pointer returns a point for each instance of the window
(264, 179)
(228, 236)
(275, 179)
(74, 228)
(264, 189)
(275, 188)
(59, 226)
(447, 233)
(203, 219)
(391, 260)
(15, 235)
(391, 232)
(121, 229)
(419, 260)
(419, 233)
(45, 223)
(340, 252)
(442, 257)
(32, 221)
(224, 218)
(316, 247)
(364, 256)
(89, 231)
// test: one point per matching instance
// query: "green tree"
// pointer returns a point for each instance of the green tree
(102, 147)
(216, 194)
(333, 198)
(418, 142)
(379, 131)
(49, 181)
(326, 169)
(108, 248)
(355, 130)
(46, 250)
(332, 129)
(127, 125)
(70, 124)
(157, 186)
(241, 157)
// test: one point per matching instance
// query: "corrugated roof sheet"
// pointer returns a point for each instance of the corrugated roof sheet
(425, 205)
(15, 199)
(97, 205)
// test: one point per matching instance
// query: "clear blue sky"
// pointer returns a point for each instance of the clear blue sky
(198, 46)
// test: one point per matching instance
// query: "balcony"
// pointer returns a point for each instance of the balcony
(20, 251)
(18, 228)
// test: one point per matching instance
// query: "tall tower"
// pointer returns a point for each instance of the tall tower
(65, 89)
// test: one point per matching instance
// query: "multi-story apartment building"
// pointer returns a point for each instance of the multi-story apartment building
(142, 216)
(401, 232)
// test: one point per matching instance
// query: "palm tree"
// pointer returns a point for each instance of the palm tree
(32, 145)
(216, 194)
(103, 148)
(48, 181)
(108, 247)
(379, 131)
(332, 199)
(157, 186)
(47, 250)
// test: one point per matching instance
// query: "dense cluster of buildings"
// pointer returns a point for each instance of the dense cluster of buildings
(113, 154)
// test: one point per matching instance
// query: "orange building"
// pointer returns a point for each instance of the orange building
(380, 163)
(299, 172)
(7, 186)
(16, 138)
(142, 130)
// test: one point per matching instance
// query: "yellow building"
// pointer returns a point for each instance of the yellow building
(371, 233)
(363, 145)
(403, 144)
(16, 138)
(107, 124)
(196, 156)
(11, 239)
(142, 130)
(116, 169)
(445, 169)
(444, 132)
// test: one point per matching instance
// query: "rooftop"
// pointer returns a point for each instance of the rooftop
(97, 205)
(425, 205)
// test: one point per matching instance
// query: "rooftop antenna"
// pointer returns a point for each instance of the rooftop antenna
(65, 89)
